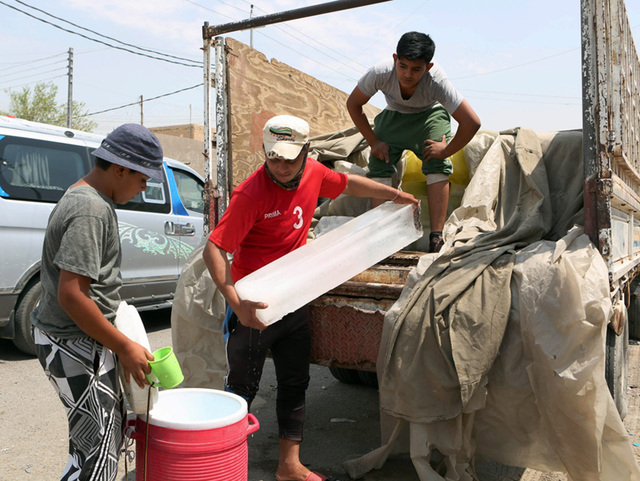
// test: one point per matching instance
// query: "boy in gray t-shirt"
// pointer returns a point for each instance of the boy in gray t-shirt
(420, 102)
(76, 341)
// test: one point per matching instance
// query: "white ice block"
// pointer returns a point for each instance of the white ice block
(306, 273)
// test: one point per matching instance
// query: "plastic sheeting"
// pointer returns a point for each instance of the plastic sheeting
(196, 325)
(496, 346)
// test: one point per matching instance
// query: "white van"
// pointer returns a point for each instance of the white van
(158, 229)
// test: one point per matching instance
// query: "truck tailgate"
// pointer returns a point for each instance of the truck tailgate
(354, 311)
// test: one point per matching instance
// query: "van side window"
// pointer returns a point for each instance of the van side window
(39, 170)
(154, 199)
(154, 193)
(190, 189)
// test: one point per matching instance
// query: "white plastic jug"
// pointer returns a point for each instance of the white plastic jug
(128, 322)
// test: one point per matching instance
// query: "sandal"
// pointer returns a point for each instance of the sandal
(313, 476)
(435, 242)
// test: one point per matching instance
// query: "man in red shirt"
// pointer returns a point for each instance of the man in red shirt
(269, 215)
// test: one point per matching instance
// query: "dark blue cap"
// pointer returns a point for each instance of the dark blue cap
(133, 146)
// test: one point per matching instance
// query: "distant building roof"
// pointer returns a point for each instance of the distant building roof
(187, 131)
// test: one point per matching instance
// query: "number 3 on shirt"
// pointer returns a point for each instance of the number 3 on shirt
(298, 211)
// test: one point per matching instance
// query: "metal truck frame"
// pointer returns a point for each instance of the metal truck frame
(611, 149)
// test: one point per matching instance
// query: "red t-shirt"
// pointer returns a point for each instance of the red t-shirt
(264, 221)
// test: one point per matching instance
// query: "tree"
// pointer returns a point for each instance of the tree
(39, 105)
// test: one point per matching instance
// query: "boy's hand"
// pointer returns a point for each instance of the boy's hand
(406, 198)
(135, 361)
(246, 313)
(380, 150)
(434, 149)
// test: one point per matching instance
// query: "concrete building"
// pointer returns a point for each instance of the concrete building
(184, 143)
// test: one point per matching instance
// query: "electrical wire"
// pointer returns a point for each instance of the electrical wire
(146, 100)
(392, 29)
(518, 65)
(195, 65)
(577, 101)
(213, 11)
(104, 36)
(34, 75)
(565, 97)
(11, 74)
(20, 64)
(299, 37)
(34, 82)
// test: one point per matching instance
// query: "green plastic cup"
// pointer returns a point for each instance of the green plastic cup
(165, 369)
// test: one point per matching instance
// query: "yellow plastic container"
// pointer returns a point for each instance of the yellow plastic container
(415, 182)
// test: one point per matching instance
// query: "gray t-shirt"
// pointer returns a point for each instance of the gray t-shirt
(81, 237)
(434, 87)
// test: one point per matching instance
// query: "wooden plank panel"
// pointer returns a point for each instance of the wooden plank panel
(260, 89)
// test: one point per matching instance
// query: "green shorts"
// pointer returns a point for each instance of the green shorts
(408, 132)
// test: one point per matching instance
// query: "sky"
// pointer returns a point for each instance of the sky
(516, 63)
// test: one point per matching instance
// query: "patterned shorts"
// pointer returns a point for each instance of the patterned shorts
(85, 376)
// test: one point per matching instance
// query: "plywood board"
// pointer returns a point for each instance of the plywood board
(260, 88)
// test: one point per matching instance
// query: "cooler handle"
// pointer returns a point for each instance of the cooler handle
(254, 425)
(130, 428)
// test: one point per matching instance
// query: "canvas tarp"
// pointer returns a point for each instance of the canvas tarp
(496, 346)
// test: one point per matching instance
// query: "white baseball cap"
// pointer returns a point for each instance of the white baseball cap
(284, 136)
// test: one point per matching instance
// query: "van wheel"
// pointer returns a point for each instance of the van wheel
(616, 367)
(347, 376)
(23, 339)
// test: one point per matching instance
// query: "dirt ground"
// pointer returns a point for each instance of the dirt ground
(342, 422)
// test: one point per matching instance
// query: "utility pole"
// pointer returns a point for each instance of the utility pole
(251, 31)
(141, 110)
(70, 91)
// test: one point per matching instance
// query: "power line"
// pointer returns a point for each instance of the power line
(298, 38)
(103, 36)
(391, 29)
(11, 74)
(306, 56)
(99, 41)
(349, 65)
(522, 101)
(213, 11)
(287, 33)
(518, 65)
(146, 100)
(34, 75)
(34, 82)
(20, 64)
(566, 97)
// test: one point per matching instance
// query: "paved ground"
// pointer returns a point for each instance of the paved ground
(342, 422)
